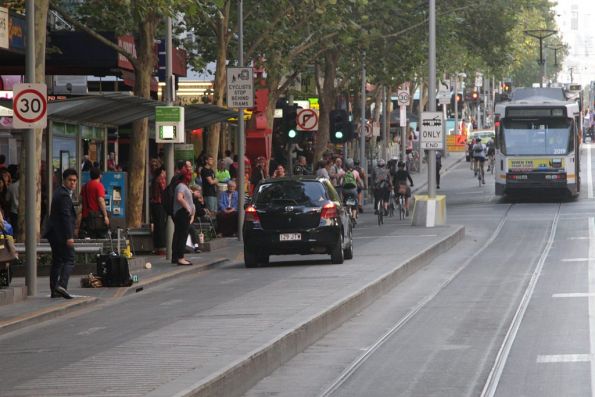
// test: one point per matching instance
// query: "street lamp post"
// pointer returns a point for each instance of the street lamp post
(555, 48)
(540, 34)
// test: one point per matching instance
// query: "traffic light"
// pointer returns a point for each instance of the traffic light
(289, 124)
(340, 128)
(506, 87)
(475, 96)
(459, 99)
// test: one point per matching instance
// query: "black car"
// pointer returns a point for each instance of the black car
(298, 215)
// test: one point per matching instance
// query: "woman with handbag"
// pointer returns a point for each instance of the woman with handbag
(184, 211)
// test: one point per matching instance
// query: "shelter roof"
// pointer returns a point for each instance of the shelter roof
(116, 109)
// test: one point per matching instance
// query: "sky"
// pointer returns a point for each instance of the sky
(576, 19)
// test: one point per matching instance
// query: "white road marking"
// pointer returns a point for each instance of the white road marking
(395, 236)
(589, 174)
(574, 295)
(577, 238)
(576, 259)
(591, 291)
(564, 358)
(91, 330)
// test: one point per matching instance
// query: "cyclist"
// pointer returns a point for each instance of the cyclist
(351, 181)
(479, 158)
(491, 146)
(400, 184)
(362, 187)
(381, 185)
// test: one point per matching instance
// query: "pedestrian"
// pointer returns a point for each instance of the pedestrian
(258, 173)
(279, 171)
(111, 162)
(95, 220)
(87, 164)
(183, 216)
(323, 169)
(336, 173)
(5, 198)
(158, 215)
(227, 214)
(60, 234)
(13, 188)
(227, 159)
(200, 211)
(209, 183)
(222, 173)
(438, 167)
(301, 167)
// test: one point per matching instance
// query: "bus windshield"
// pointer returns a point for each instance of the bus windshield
(537, 137)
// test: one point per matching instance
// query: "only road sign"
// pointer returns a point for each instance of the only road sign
(307, 120)
(432, 136)
(29, 106)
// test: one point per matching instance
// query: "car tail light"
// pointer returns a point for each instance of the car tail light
(251, 214)
(329, 211)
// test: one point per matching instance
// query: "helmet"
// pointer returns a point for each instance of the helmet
(349, 163)
(381, 163)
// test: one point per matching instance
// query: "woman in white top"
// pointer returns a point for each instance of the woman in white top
(183, 216)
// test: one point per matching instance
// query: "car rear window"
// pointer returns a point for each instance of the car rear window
(306, 193)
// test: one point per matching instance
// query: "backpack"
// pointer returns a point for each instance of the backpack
(477, 148)
(349, 181)
(169, 195)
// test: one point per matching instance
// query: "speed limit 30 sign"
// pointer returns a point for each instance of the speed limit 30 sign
(29, 106)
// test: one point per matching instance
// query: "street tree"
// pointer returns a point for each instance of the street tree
(142, 19)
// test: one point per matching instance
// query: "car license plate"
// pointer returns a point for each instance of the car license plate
(290, 237)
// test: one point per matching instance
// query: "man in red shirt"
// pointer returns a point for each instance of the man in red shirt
(95, 221)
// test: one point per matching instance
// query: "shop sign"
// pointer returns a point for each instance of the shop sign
(17, 28)
(3, 27)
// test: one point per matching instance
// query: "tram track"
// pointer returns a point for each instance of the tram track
(491, 384)
(359, 361)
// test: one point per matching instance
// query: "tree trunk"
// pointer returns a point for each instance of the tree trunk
(214, 133)
(326, 101)
(41, 14)
(140, 128)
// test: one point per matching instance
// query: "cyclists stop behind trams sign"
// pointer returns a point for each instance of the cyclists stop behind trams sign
(432, 135)
(29, 106)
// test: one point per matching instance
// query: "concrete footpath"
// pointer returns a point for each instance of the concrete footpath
(32, 310)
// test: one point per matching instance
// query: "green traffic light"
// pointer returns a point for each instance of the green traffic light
(292, 133)
(338, 135)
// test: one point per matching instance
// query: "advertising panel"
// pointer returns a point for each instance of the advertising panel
(536, 164)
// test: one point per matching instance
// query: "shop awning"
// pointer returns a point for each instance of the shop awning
(116, 109)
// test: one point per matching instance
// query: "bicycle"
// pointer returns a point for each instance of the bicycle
(491, 163)
(481, 173)
(391, 204)
(380, 210)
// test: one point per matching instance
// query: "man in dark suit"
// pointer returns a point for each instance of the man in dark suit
(60, 234)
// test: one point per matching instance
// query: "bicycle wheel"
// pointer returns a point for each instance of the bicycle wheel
(380, 210)
(401, 208)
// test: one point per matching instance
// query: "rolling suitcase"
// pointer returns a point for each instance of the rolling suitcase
(113, 269)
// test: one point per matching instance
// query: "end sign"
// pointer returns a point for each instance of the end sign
(432, 135)
(29, 106)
